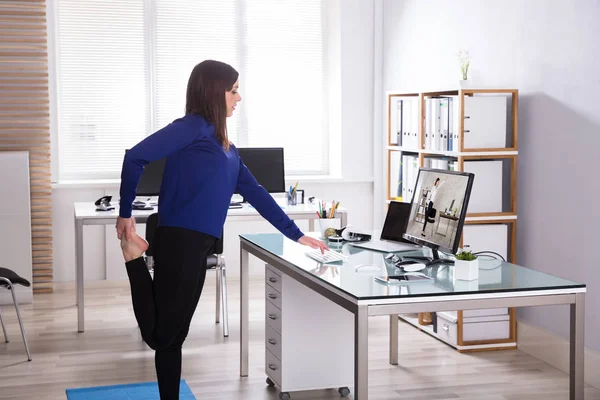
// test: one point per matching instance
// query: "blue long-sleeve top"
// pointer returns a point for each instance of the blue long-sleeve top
(199, 178)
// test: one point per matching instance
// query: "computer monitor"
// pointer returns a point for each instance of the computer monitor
(151, 179)
(438, 209)
(267, 166)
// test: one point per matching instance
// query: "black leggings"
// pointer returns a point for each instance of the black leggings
(428, 213)
(164, 307)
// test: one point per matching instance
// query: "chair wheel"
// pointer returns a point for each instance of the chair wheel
(344, 391)
(284, 396)
(270, 382)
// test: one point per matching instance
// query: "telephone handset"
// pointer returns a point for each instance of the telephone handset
(103, 204)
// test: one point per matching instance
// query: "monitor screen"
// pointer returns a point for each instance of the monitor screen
(267, 166)
(438, 208)
(151, 179)
(396, 220)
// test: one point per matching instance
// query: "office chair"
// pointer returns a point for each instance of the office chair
(8, 279)
(214, 261)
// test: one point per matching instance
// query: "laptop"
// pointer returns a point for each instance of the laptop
(391, 239)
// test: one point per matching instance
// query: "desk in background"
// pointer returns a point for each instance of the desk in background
(86, 214)
(348, 294)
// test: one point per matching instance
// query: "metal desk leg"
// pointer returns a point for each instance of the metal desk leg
(361, 353)
(79, 274)
(244, 261)
(576, 374)
(394, 339)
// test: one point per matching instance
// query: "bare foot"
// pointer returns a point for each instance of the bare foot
(133, 248)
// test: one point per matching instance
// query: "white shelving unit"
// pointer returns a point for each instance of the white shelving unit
(456, 131)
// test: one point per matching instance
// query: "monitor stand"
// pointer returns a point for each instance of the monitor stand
(437, 260)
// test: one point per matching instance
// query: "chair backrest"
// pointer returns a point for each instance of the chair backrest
(13, 277)
(151, 226)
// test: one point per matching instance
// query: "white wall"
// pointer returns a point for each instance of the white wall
(354, 189)
(547, 50)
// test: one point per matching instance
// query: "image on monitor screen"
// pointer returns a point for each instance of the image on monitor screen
(438, 209)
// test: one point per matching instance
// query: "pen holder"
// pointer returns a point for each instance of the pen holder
(292, 199)
(326, 224)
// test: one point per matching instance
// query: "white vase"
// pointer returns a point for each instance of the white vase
(464, 84)
(466, 270)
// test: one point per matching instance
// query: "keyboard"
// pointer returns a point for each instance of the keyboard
(327, 257)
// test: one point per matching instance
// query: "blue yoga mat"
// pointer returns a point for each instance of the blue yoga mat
(132, 391)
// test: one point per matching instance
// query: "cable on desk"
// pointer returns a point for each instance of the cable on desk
(489, 252)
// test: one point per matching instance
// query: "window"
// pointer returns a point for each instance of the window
(123, 66)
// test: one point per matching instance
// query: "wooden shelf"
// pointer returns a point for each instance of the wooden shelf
(456, 154)
(415, 147)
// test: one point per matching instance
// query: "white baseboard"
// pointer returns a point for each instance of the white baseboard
(24, 296)
(554, 350)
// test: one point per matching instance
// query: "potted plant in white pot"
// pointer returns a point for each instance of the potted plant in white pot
(466, 266)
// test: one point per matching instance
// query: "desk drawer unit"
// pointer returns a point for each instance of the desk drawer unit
(273, 367)
(273, 295)
(273, 278)
(273, 316)
(273, 341)
(309, 340)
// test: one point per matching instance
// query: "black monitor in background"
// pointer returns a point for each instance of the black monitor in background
(265, 163)
(267, 166)
(151, 179)
(438, 209)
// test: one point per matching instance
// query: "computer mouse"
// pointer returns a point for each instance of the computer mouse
(413, 267)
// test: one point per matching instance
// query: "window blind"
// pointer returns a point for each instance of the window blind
(186, 33)
(25, 118)
(103, 85)
(124, 68)
(283, 81)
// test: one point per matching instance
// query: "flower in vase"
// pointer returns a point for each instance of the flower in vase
(464, 61)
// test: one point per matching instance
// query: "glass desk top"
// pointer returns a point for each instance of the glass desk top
(356, 274)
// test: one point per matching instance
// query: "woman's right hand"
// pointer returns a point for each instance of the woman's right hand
(125, 226)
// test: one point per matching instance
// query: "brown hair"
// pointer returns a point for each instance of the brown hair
(205, 94)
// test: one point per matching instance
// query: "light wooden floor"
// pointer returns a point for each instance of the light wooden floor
(111, 352)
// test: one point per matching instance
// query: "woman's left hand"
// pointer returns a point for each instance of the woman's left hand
(314, 243)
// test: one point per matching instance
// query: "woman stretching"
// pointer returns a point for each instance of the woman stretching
(202, 171)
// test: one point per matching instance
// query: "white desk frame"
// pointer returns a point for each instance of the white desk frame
(86, 214)
(363, 309)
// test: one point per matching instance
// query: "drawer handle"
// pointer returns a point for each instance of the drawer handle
(272, 296)
(273, 342)
(273, 367)
(446, 327)
(272, 280)
(273, 316)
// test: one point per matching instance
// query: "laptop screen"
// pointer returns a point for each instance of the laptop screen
(396, 221)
